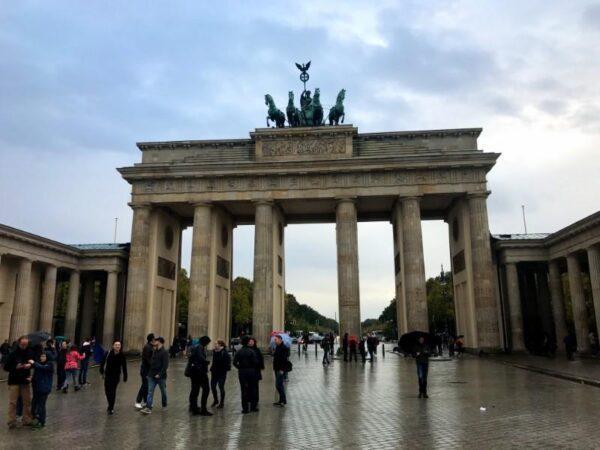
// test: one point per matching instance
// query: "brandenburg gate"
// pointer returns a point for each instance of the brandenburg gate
(307, 174)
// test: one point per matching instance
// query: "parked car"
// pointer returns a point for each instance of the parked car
(314, 337)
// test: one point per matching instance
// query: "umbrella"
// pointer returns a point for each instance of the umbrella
(38, 337)
(408, 341)
(285, 337)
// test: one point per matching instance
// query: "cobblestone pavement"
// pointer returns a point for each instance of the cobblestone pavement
(347, 405)
(588, 368)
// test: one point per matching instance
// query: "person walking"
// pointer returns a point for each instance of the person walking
(353, 345)
(18, 365)
(157, 375)
(147, 350)
(332, 343)
(43, 372)
(325, 345)
(345, 346)
(372, 343)
(61, 361)
(221, 364)
(280, 367)
(86, 351)
(111, 367)
(362, 350)
(260, 367)
(246, 362)
(198, 371)
(72, 368)
(422, 358)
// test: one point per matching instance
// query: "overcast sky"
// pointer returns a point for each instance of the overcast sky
(81, 82)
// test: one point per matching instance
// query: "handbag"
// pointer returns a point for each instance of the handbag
(288, 366)
(188, 369)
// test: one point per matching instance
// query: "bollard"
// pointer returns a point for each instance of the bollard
(315, 348)
(383, 350)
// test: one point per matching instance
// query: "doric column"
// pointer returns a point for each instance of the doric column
(414, 266)
(87, 308)
(19, 324)
(198, 318)
(48, 296)
(399, 269)
(486, 311)
(134, 331)
(72, 305)
(262, 306)
(578, 303)
(594, 263)
(558, 304)
(514, 304)
(110, 309)
(347, 266)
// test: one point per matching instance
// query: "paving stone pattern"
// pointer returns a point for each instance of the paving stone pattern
(347, 405)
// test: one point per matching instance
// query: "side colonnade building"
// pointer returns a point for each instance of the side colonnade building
(33, 268)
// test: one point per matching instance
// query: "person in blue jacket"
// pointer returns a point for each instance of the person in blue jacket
(43, 371)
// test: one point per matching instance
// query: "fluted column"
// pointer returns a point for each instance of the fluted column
(347, 266)
(558, 303)
(399, 269)
(486, 311)
(514, 304)
(414, 266)
(594, 263)
(19, 324)
(72, 305)
(200, 271)
(48, 296)
(110, 309)
(578, 303)
(134, 331)
(88, 308)
(262, 306)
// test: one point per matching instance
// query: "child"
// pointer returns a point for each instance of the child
(72, 368)
(43, 370)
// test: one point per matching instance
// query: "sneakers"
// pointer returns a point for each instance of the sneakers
(139, 405)
(146, 410)
(110, 412)
(278, 404)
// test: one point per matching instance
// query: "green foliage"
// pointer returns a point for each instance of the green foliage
(440, 304)
(241, 305)
(305, 318)
(183, 296)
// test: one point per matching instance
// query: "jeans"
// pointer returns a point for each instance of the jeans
(279, 377)
(143, 392)
(85, 362)
(326, 356)
(371, 354)
(39, 407)
(198, 381)
(73, 374)
(14, 392)
(422, 369)
(162, 384)
(218, 380)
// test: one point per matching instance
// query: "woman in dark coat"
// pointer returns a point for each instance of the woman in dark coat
(112, 365)
(260, 368)
(221, 364)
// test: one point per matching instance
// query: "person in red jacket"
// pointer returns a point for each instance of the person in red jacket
(72, 368)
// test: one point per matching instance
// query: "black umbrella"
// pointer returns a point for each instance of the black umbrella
(38, 337)
(409, 341)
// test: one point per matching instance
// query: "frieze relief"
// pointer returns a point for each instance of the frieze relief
(309, 181)
(320, 146)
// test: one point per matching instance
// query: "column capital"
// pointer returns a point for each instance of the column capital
(484, 194)
(139, 205)
(263, 201)
(202, 203)
(403, 198)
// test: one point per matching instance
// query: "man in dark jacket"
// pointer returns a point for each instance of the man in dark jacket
(61, 360)
(86, 351)
(325, 345)
(18, 365)
(140, 400)
(221, 364)
(246, 362)
(111, 367)
(280, 367)
(157, 375)
(421, 354)
(261, 366)
(198, 371)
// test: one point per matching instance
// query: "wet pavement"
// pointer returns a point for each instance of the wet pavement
(347, 405)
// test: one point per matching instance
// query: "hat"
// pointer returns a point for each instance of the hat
(204, 340)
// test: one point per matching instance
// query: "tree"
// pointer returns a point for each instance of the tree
(303, 317)
(440, 303)
(183, 297)
(241, 305)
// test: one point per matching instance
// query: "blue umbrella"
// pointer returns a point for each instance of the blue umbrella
(285, 337)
